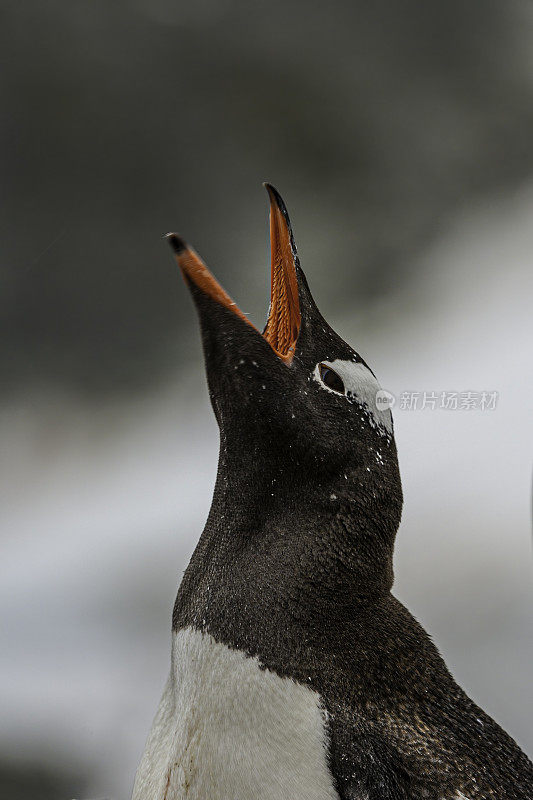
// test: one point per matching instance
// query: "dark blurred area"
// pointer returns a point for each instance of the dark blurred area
(125, 120)
(382, 124)
(42, 782)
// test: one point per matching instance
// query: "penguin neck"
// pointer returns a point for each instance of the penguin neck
(343, 521)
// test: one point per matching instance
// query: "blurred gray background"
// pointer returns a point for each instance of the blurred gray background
(400, 135)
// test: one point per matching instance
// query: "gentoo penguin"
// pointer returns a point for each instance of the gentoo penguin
(295, 673)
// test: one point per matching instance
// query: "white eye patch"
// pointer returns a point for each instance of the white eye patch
(360, 387)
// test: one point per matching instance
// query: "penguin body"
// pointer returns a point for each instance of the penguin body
(295, 673)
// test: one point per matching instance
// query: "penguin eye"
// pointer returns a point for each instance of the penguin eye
(330, 378)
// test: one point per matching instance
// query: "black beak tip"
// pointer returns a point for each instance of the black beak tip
(177, 244)
(278, 199)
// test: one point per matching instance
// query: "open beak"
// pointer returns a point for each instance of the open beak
(284, 319)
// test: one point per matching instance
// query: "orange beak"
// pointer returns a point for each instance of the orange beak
(284, 319)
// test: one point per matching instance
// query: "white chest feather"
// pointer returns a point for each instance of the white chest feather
(228, 730)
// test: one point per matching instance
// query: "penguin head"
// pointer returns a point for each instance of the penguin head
(296, 398)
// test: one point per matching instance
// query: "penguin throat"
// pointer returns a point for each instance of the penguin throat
(342, 530)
